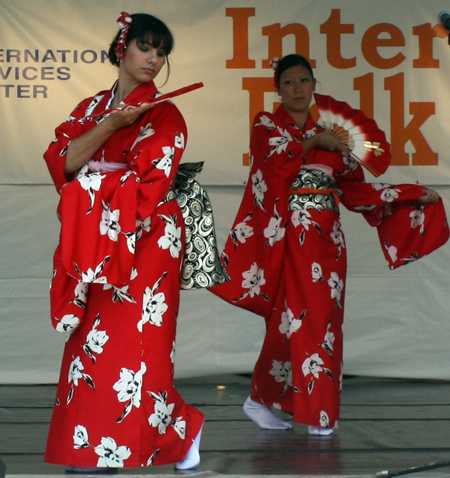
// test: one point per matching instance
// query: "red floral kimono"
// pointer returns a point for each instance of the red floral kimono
(286, 256)
(115, 292)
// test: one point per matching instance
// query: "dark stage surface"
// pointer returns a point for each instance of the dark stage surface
(386, 425)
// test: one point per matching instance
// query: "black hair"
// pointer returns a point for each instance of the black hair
(144, 28)
(291, 60)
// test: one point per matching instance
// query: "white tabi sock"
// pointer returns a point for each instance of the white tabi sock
(192, 459)
(322, 431)
(263, 416)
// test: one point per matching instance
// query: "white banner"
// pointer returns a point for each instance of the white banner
(389, 58)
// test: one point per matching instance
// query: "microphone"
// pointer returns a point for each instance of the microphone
(444, 18)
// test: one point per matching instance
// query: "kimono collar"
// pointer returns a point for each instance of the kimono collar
(285, 116)
(141, 93)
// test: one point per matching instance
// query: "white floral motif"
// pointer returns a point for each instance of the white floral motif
(110, 222)
(274, 232)
(316, 271)
(95, 340)
(314, 365)
(289, 323)
(253, 280)
(91, 182)
(129, 389)
(242, 231)
(282, 372)
(328, 340)
(301, 217)
(337, 286)
(280, 143)
(267, 122)
(180, 141)
(388, 192)
(81, 292)
(76, 373)
(417, 216)
(68, 324)
(154, 305)
(146, 132)
(162, 416)
(172, 236)
(80, 437)
(179, 425)
(94, 276)
(259, 187)
(165, 163)
(338, 238)
(324, 420)
(110, 454)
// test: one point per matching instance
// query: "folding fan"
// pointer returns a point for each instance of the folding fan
(359, 134)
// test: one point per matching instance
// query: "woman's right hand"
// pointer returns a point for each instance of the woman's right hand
(324, 140)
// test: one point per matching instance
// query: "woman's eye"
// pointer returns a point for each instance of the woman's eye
(161, 53)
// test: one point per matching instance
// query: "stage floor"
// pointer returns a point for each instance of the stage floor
(386, 425)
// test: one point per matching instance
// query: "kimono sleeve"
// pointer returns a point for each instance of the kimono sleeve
(55, 156)
(155, 155)
(253, 254)
(407, 229)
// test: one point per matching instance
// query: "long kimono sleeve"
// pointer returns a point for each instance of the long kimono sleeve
(253, 254)
(407, 230)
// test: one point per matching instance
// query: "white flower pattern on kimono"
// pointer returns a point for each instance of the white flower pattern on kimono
(76, 373)
(165, 163)
(301, 217)
(91, 276)
(68, 324)
(111, 455)
(120, 293)
(391, 250)
(110, 222)
(172, 236)
(388, 192)
(417, 216)
(280, 143)
(129, 389)
(242, 231)
(91, 182)
(314, 365)
(282, 373)
(180, 141)
(179, 425)
(274, 232)
(259, 187)
(267, 122)
(328, 340)
(316, 272)
(162, 417)
(324, 419)
(289, 323)
(95, 340)
(338, 238)
(253, 280)
(337, 286)
(172, 353)
(153, 305)
(80, 437)
(146, 132)
(81, 292)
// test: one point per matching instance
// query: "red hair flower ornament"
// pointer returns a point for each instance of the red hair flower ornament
(124, 22)
(274, 62)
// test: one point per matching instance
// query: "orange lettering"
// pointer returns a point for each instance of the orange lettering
(426, 34)
(371, 42)
(333, 30)
(240, 37)
(364, 84)
(276, 33)
(401, 134)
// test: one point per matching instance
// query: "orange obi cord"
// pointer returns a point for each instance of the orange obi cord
(318, 191)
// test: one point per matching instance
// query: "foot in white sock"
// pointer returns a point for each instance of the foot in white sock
(192, 459)
(263, 416)
(322, 431)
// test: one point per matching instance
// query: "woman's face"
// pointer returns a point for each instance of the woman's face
(296, 87)
(142, 62)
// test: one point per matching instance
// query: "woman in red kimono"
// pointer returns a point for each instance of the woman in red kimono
(286, 253)
(116, 281)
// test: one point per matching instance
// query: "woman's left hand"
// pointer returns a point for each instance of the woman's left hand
(429, 196)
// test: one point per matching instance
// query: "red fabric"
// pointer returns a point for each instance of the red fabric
(289, 266)
(115, 291)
